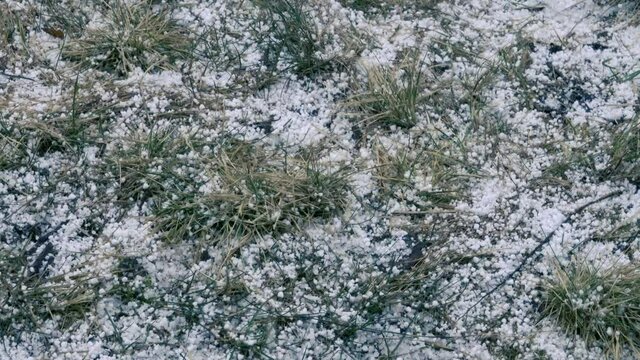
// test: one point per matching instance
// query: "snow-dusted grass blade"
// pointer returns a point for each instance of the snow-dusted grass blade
(598, 304)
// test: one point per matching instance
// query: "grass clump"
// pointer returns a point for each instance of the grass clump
(65, 20)
(393, 170)
(129, 37)
(425, 176)
(625, 153)
(14, 32)
(625, 10)
(390, 96)
(132, 280)
(623, 235)
(295, 37)
(148, 167)
(253, 192)
(558, 172)
(69, 123)
(13, 149)
(7, 26)
(29, 297)
(634, 4)
(598, 304)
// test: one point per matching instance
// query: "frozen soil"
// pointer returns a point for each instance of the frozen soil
(242, 179)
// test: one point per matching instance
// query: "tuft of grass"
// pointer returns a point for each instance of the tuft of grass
(65, 20)
(69, 123)
(7, 27)
(147, 168)
(131, 36)
(254, 192)
(421, 277)
(402, 174)
(390, 96)
(598, 304)
(28, 298)
(623, 235)
(294, 36)
(625, 153)
(513, 62)
(13, 29)
(393, 170)
(13, 146)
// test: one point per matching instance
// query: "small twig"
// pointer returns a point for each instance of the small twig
(44, 237)
(539, 247)
(423, 212)
(40, 264)
(11, 76)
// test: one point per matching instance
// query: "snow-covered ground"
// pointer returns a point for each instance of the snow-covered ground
(202, 180)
